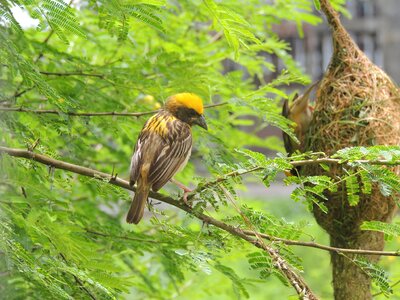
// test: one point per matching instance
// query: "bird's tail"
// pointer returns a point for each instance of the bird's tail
(136, 210)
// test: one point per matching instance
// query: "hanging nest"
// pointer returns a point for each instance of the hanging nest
(357, 104)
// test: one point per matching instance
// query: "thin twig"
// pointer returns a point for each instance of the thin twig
(91, 114)
(76, 73)
(79, 282)
(323, 247)
(327, 160)
(125, 237)
(293, 278)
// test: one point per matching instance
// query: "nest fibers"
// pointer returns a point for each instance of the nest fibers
(357, 105)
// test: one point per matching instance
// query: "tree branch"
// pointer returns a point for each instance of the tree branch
(293, 278)
(90, 114)
(322, 247)
(126, 238)
(76, 73)
(326, 160)
(296, 281)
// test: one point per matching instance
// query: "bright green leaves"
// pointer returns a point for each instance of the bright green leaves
(390, 230)
(36, 275)
(370, 164)
(352, 187)
(317, 4)
(311, 189)
(378, 275)
(361, 169)
(115, 15)
(8, 18)
(237, 30)
(59, 16)
(237, 282)
(390, 154)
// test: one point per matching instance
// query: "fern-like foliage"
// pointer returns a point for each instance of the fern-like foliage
(57, 15)
(390, 153)
(390, 230)
(116, 15)
(236, 29)
(311, 190)
(7, 18)
(237, 282)
(352, 187)
(262, 263)
(378, 275)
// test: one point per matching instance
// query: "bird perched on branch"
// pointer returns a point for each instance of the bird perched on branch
(163, 148)
(301, 113)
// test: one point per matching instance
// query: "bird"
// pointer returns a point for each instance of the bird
(163, 148)
(301, 113)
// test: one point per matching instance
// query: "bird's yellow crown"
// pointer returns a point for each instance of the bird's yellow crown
(188, 100)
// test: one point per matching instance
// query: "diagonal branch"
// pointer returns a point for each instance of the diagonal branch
(91, 114)
(296, 281)
(293, 278)
(124, 184)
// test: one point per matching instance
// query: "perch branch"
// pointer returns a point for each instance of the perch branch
(294, 279)
(244, 234)
(91, 114)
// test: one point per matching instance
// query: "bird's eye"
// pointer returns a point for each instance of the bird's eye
(193, 113)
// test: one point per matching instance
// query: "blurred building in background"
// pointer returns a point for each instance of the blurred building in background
(375, 26)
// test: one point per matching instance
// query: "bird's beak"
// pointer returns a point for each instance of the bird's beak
(201, 121)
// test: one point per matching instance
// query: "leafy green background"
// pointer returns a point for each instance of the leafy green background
(60, 231)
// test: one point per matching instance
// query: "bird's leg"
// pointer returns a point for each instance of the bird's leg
(185, 189)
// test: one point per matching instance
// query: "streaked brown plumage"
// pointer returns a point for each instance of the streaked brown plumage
(301, 113)
(163, 148)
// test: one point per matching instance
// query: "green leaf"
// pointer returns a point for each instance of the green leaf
(317, 4)
(377, 274)
(391, 230)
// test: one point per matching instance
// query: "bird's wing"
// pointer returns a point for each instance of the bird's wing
(148, 137)
(172, 155)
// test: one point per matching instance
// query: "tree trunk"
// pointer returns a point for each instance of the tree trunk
(342, 222)
(349, 280)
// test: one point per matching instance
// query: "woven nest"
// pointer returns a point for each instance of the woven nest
(356, 104)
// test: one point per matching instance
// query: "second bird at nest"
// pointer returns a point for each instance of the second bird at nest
(300, 112)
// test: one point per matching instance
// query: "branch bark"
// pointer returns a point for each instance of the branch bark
(293, 278)
(90, 114)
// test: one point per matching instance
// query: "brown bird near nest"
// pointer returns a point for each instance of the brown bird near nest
(301, 113)
(163, 149)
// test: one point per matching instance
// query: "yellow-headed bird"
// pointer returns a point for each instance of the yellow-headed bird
(163, 148)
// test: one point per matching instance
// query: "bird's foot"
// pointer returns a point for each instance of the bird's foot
(186, 191)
